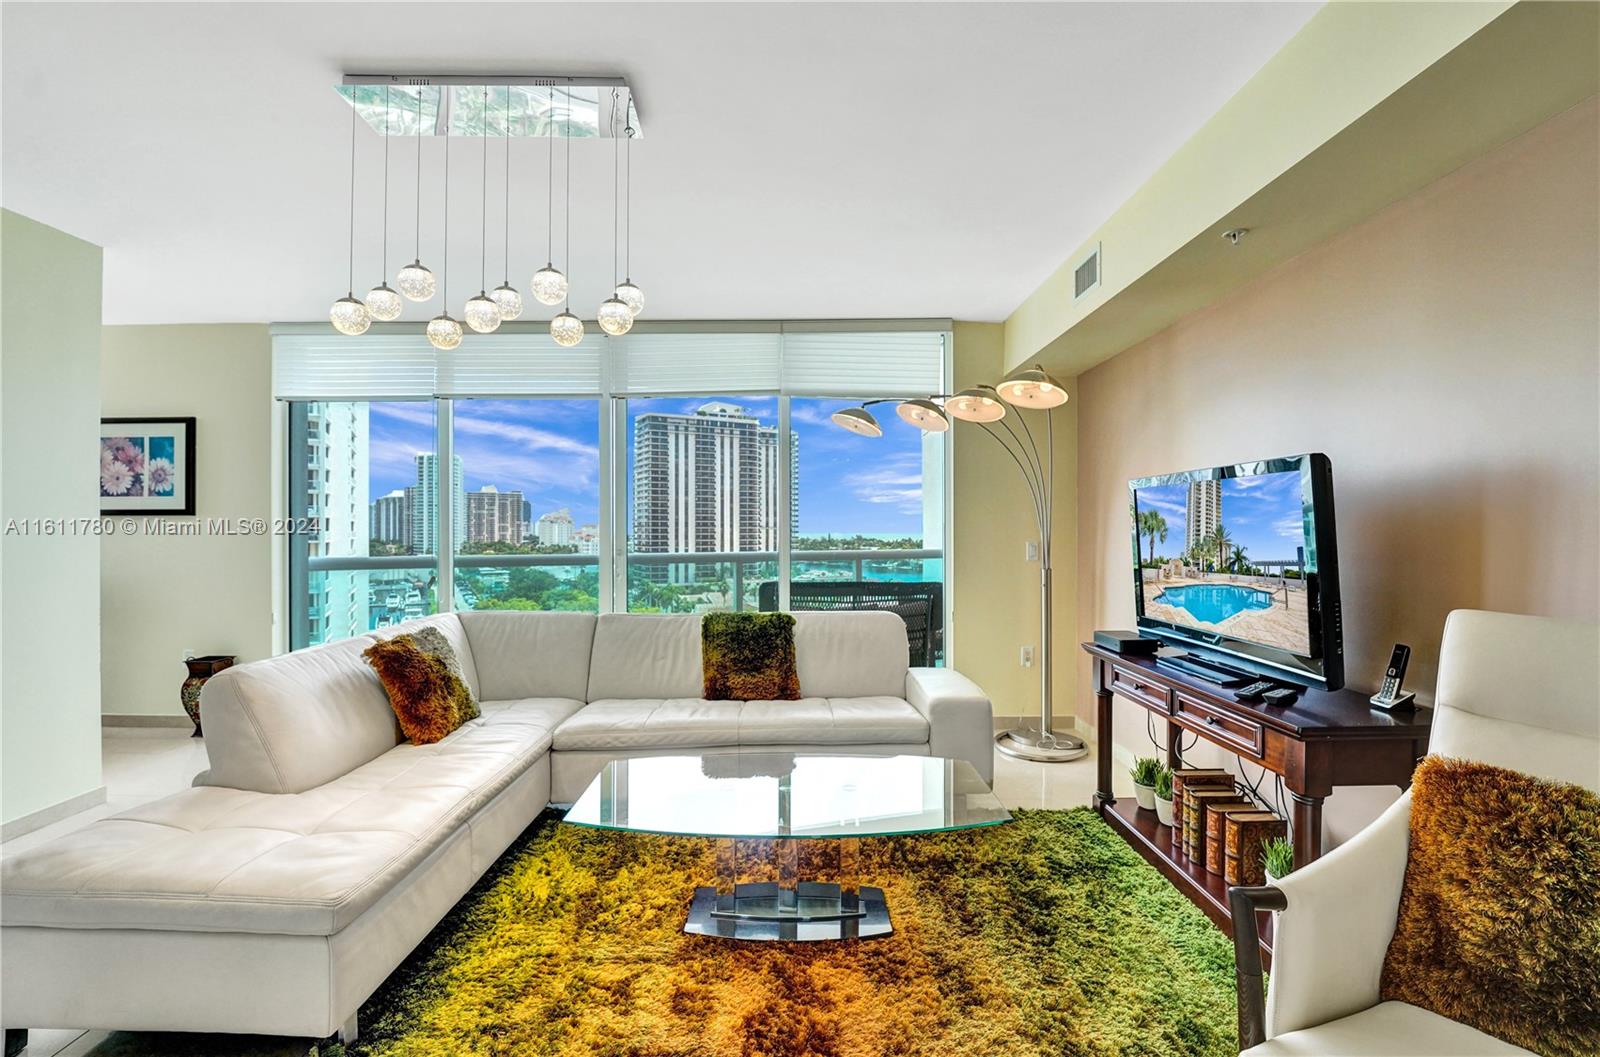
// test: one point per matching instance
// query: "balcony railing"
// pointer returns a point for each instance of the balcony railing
(854, 563)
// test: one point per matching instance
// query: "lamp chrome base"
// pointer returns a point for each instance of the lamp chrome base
(1029, 743)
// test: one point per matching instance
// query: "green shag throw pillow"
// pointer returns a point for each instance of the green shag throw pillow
(1499, 923)
(749, 657)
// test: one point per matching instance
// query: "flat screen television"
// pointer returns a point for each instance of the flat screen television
(1239, 565)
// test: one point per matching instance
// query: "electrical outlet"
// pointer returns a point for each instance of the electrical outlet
(1030, 551)
(1027, 656)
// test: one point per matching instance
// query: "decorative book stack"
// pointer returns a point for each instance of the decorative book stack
(1217, 814)
(1245, 833)
(1194, 778)
(1194, 819)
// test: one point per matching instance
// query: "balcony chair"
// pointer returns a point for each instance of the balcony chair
(920, 604)
(1513, 691)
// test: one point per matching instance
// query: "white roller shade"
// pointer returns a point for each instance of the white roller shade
(325, 365)
(706, 361)
(863, 363)
(521, 363)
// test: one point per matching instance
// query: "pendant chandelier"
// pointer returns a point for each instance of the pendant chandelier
(551, 108)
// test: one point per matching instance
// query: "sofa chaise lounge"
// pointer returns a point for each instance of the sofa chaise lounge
(316, 852)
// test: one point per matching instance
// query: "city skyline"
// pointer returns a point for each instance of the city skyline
(1263, 514)
(549, 451)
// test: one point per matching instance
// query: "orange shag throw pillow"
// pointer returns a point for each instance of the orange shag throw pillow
(424, 692)
(1499, 924)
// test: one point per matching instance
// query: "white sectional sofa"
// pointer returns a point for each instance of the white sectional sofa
(318, 849)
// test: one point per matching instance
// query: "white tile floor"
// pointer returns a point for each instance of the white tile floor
(142, 764)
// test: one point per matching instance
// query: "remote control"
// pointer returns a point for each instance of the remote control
(1281, 696)
(1252, 692)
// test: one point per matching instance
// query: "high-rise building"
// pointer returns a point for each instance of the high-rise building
(336, 496)
(527, 512)
(425, 504)
(587, 537)
(494, 516)
(706, 482)
(391, 516)
(555, 528)
(1203, 511)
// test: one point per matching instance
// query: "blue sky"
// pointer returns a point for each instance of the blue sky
(1262, 514)
(550, 451)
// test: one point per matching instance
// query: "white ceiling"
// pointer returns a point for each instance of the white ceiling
(800, 160)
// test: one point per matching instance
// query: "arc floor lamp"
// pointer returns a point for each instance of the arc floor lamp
(1031, 390)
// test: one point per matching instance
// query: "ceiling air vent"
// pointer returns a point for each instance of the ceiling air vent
(1086, 273)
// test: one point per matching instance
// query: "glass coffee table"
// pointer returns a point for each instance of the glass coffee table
(760, 806)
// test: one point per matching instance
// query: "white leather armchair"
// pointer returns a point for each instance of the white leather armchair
(1514, 691)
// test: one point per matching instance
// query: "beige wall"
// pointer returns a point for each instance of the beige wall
(1444, 356)
(212, 593)
(49, 583)
(995, 587)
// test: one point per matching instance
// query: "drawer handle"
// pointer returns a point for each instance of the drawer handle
(1211, 720)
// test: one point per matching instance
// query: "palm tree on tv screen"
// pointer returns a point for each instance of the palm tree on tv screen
(1152, 524)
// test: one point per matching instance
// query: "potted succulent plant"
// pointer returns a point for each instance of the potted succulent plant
(1144, 771)
(1164, 797)
(1277, 858)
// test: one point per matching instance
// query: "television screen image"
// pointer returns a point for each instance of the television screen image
(1227, 559)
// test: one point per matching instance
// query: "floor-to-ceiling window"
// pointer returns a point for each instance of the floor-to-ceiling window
(362, 487)
(681, 469)
(530, 499)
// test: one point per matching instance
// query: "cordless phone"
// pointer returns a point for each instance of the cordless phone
(1390, 695)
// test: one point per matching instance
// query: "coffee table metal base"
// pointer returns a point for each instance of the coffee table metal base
(808, 912)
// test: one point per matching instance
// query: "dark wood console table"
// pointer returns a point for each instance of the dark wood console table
(1322, 740)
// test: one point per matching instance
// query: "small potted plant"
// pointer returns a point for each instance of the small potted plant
(1277, 858)
(1144, 771)
(1164, 797)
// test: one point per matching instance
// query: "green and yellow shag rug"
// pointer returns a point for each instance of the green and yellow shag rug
(1046, 936)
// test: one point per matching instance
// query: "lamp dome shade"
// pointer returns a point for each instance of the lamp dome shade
(924, 414)
(1032, 388)
(858, 420)
(978, 404)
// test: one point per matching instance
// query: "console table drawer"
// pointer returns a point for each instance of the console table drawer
(1147, 692)
(1220, 726)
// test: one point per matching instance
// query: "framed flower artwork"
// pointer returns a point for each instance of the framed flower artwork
(147, 466)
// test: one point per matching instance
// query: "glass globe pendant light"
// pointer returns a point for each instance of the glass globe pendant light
(630, 295)
(627, 291)
(443, 332)
(613, 315)
(549, 286)
(481, 313)
(566, 328)
(382, 302)
(415, 281)
(349, 315)
(505, 296)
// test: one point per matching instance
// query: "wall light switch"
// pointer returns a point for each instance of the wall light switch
(1030, 551)
(1027, 656)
